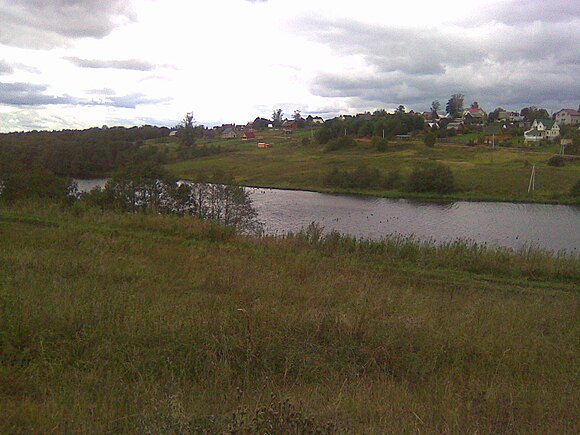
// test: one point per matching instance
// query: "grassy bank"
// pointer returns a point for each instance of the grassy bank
(481, 173)
(133, 323)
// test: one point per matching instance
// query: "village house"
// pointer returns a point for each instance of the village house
(456, 125)
(474, 116)
(542, 129)
(495, 134)
(228, 133)
(367, 116)
(289, 126)
(567, 117)
(510, 116)
(248, 134)
(428, 117)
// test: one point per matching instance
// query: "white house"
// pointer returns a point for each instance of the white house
(542, 129)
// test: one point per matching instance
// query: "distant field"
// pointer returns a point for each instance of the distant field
(114, 323)
(481, 173)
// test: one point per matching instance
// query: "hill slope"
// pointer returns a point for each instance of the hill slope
(134, 323)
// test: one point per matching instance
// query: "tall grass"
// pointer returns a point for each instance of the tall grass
(117, 323)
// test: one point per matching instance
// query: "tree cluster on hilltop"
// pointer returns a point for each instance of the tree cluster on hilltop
(79, 153)
(379, 123)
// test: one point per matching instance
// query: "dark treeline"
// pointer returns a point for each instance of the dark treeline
(87, 153)
(378, 123)
(426, 177)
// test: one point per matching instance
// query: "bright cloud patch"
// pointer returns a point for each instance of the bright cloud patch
(70, 63)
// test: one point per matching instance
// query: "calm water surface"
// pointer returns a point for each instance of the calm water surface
(509, 225)
(549, 227)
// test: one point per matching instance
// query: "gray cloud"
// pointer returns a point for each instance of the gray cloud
(5, 68)
(49, 23)
(495, 64)
(529, 11)
(104, 91)
(129, 64)
(131, 101)
(28, 94)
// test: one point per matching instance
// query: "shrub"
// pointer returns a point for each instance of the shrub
(36, 183)
(556, 160)
(340, 143)
(323, 135)
(434, 178)
(379, 143)
(362, 177)
(392, 179)
(430, 139)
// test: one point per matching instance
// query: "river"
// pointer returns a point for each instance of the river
(494, 224)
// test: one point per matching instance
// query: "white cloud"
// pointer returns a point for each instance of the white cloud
(135, 61)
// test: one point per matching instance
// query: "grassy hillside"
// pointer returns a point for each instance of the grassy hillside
(481, 173)
(136, 323)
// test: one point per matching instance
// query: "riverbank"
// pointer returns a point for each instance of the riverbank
(481, 173)
(424, 197)
(141, 323)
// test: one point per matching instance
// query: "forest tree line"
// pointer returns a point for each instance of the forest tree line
(90, 153)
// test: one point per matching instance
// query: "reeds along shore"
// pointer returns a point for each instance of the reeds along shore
(141, 323)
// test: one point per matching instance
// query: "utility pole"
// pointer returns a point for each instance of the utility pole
(532, 184)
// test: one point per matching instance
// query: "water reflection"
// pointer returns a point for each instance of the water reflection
(549, 227)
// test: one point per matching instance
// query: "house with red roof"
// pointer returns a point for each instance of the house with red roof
(567, 117)
(249, 134)
(474, 116)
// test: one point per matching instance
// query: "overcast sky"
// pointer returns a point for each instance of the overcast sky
(84, 63)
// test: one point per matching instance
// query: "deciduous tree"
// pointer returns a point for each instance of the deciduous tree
(187, 132)
(454, 106)
(277, 117)
(435, 107)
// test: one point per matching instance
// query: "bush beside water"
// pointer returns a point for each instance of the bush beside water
(431, 178)
(424, 178)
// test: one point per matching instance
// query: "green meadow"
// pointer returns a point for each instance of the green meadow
(123, 323)
(480, 172)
